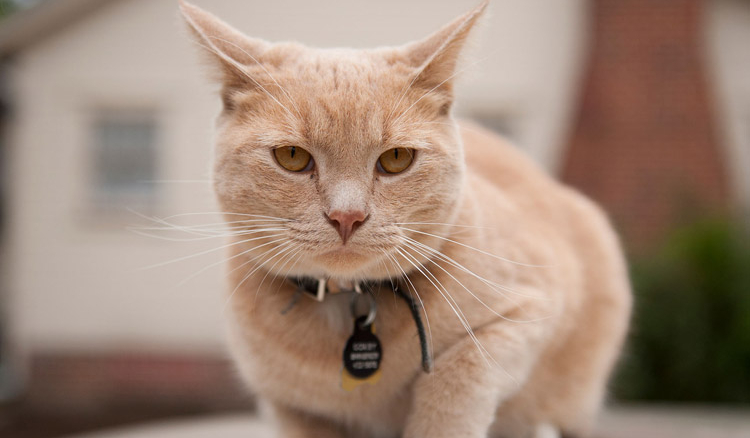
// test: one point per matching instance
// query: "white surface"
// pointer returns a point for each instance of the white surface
(213, 427)
(675, 422)
(620, 422)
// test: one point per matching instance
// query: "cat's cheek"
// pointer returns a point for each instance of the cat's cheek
(265, 190)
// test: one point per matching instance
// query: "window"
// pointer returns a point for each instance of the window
(124, 160)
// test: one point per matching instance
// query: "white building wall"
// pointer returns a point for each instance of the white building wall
(75, 277)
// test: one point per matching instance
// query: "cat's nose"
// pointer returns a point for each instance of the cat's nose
(346, 222)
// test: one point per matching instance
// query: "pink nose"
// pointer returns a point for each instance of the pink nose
(346, 222)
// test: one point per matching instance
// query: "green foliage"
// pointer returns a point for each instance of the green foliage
(690, 339)
(7, 7)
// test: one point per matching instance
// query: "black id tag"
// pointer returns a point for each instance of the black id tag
(362, 356)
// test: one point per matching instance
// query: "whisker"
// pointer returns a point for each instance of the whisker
(440, 223)
(406, 90)
(208, 213)
(244, 221)
(209, 251)
(255, 268)
(298, 256)
(480, 347)
(171, 181)
(475, 249)
(205, 236)
(440, 84)
(493, 285)
(386, 270)
(290, 250)
(284, 241)
(201, 228)
(206, 228)
(167, 226)
(214, 225)
(450, 301)
(283, 90)
(413, 247)
(413, 288)
(241, 69)
(221, 213)
(221, 262)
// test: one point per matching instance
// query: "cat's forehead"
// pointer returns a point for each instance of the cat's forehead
(345, 73)
(343, 94)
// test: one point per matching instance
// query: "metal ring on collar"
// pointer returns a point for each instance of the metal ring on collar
(373, 308)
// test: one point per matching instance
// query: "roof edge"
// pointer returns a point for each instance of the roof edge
(31, 25)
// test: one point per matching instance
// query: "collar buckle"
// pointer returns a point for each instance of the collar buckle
(321, 294)
(323, 288)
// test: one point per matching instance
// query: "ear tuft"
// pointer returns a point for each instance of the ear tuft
(232, 51)
(436, 56)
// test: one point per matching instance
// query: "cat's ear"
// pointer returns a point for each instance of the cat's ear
(236, 55)
(436, 56)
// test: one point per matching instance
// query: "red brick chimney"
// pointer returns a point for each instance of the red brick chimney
(644, 142)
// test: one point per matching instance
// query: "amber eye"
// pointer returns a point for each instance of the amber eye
(293, 158)
(395, 160)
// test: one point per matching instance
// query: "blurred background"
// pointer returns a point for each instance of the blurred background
(106, 116)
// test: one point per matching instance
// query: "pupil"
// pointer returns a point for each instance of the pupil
(395, 154)
(294, 151)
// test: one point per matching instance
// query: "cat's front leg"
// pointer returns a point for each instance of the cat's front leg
(291, 423)
(461, 396)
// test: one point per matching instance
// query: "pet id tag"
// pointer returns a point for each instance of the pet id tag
(362, 356)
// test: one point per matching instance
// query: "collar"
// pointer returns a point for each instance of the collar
(318, 288)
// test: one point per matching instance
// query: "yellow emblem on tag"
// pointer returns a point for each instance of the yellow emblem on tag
(349, 383)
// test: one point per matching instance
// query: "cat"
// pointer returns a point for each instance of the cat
(345, 169)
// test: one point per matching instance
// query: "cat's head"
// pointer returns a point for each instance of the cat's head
(347, 147)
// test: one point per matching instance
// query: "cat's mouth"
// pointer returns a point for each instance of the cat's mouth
(340, 249)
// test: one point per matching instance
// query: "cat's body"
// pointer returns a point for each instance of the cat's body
(584, 293)
(532, 268)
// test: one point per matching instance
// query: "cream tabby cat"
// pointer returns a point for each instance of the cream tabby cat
(347, 166)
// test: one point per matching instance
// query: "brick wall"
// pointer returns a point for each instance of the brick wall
(74, 393)
(82, 382)
(644, 142)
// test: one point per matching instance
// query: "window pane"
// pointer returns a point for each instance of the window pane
(124, 160)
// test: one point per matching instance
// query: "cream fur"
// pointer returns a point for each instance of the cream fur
(546, 294)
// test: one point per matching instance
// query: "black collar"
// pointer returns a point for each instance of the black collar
(319, 288)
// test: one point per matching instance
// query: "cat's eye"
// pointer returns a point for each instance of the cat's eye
(293, 158)
(395, 160)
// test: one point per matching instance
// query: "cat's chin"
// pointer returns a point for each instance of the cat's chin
(344, 261)
(342, 256)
